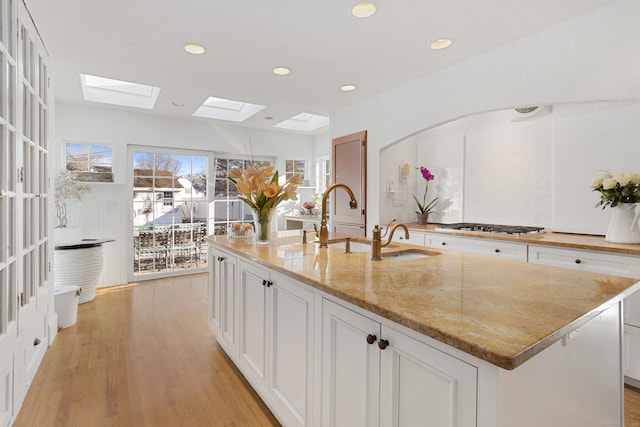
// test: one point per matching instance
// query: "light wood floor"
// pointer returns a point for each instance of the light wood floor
(143, 355)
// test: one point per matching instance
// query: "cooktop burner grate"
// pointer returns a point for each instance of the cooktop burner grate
(492, 228)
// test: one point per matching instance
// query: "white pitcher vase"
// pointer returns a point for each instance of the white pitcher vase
(624, 226)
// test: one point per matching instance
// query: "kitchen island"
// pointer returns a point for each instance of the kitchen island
(453, 338)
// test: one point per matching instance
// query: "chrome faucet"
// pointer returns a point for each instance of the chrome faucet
(376, 241)
(323, 233)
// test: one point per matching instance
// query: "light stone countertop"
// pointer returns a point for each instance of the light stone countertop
(501, 311)
(566, 240)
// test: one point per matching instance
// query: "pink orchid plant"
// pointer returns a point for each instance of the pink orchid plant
(424, 207)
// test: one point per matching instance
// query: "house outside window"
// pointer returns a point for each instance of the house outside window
(89, 162)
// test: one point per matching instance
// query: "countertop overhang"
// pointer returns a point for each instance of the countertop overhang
(501, 311)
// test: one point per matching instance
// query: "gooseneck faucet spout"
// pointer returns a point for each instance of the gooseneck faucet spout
(376, 241)
(323, 233)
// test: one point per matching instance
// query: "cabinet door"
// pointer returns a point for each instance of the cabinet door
(420, 385)
(253, 322)
(350, 368)
(631, 355)
(291, 343)
(227, 302)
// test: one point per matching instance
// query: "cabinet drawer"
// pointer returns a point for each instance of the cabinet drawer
(488, 247)
(597, 262)
(415, 237)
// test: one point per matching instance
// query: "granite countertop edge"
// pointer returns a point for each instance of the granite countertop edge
(505, 360)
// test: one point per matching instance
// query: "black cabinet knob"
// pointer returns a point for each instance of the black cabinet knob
(371, 338)
(383, 344)
(496, 250)
(578, 261)
(444, 243)
(264, 282)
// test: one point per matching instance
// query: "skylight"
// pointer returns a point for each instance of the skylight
(118, 92)
(227, 109)
(304, 122)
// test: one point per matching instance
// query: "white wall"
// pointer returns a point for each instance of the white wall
(105, 212)
(573, 62)
(530, 172)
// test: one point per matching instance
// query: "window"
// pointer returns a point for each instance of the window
(323, 174)
(167, 198)
(89, 162)
(293, 167)
(227, 207)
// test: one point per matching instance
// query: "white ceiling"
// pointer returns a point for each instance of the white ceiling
(321, 42)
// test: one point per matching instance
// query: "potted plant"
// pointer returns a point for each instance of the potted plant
(424, 208)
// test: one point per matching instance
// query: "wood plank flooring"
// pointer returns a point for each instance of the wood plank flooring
(143, 355)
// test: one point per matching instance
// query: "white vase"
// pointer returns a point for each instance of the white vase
(624, 226)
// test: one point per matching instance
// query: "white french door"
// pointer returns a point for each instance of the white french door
(8, 205)
(24, 227)
(169, 211)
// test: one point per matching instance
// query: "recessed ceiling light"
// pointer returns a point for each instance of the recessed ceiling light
(363, 10)
(177, 104)
(347, 88)
(268, 118)
(194, 48)
(441, 44)
(281, 71)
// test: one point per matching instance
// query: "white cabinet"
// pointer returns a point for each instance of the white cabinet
(374, 375)
(223, 298)
(488, 247)
(276, 318)
(415, 237)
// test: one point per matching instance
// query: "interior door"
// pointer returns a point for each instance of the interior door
(350, 167)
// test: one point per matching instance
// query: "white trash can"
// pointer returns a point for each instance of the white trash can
(66, 299)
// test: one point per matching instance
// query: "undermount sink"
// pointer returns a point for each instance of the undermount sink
(406, 256)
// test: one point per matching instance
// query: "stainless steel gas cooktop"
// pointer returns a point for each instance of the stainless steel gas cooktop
(515, 230)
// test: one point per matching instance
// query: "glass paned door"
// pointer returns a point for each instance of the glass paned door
(170, 210)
